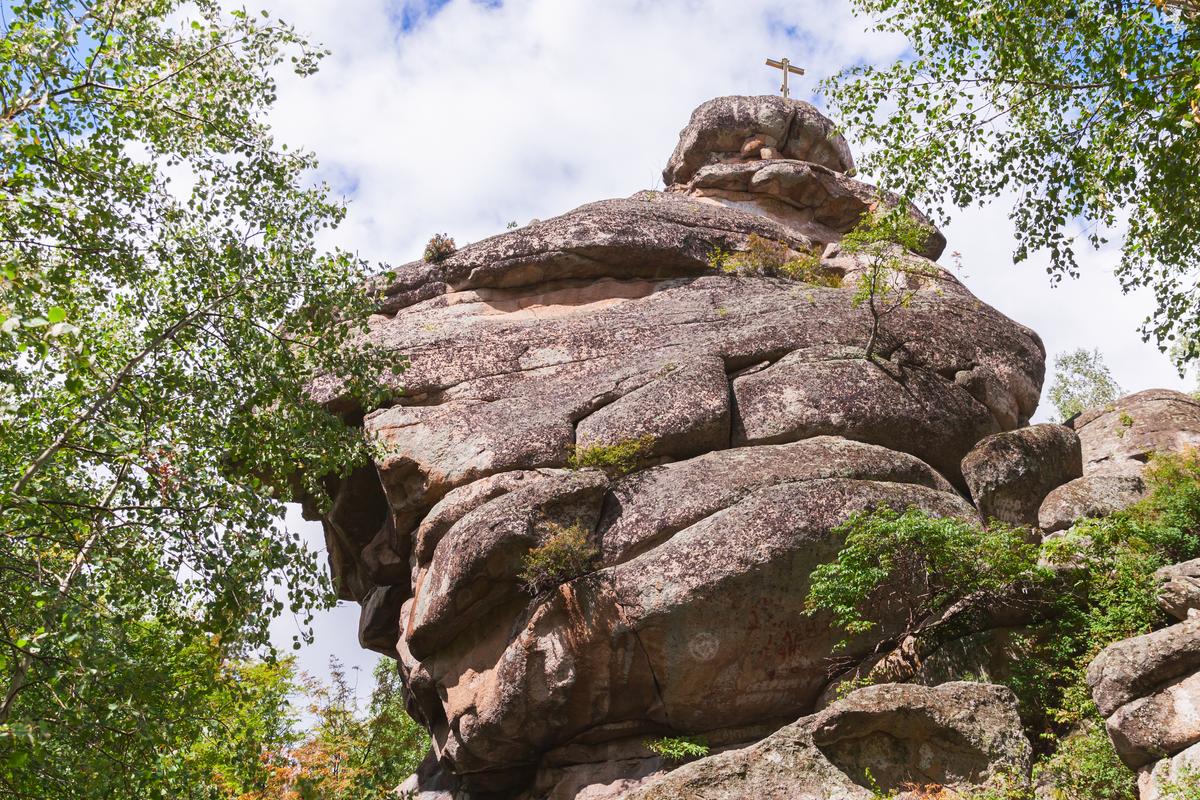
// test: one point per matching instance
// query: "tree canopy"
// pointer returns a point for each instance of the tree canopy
(1085, 112)
(1081, 381)
(346, 754)
(163, 304)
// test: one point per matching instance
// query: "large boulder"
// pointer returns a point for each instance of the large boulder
(912, 740)
(1137, 426)
(1148, 689)
(1096, 495)
(1162, 723)
(719, 130)
(1136, 667)
(1117, 440)
(753, 424)
(1010, 473)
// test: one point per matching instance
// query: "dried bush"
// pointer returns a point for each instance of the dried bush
(439, 248)
(565, 555)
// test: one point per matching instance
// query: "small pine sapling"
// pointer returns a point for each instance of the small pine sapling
(769, 258)
(678, 749)
(615, 459)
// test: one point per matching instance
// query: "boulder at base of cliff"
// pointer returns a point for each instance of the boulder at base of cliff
(914, 740)
(1148, 689)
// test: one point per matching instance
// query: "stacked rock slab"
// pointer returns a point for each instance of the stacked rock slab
(764, 429)
(1148, 688)
(1010, 473)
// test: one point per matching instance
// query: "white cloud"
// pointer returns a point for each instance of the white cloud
(483, 113)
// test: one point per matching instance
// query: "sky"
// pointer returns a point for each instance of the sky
(459, 116)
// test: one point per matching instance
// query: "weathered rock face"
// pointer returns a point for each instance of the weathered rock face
(1148, 689)
(960, 737)
(764, 428)
(696, 622)
(1010, 473)
(1117, 442)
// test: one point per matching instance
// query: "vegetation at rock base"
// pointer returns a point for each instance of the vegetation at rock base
(773, 259)
(254, 748)
(678, 749)
(163, 305)
(883, 242)
(439, 248)
(615, 459)
(567, 553)
(1085, 765)
(1099, 589)
(938, 560)
(1088, 111)
(345, 755)
(1081, 381)
(1183, 786)
(1006, 789)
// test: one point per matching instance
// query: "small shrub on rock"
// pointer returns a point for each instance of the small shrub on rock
(615, 459)
(807, 269)
(565, 555)
(882, 241)
(439, 248)
(1085, 767)
(767, 257)
(678, 749)
(938, 560)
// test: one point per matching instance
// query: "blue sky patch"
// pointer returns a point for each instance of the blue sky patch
(407, 15)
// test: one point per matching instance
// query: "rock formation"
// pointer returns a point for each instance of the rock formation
(956, 736)
(754, 426)
(1116, 443)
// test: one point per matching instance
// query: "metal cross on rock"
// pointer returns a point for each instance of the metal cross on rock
(787, 67)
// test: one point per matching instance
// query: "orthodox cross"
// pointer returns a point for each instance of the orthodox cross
(787, 67)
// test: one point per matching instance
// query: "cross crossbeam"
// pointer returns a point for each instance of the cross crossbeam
(787, 68)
